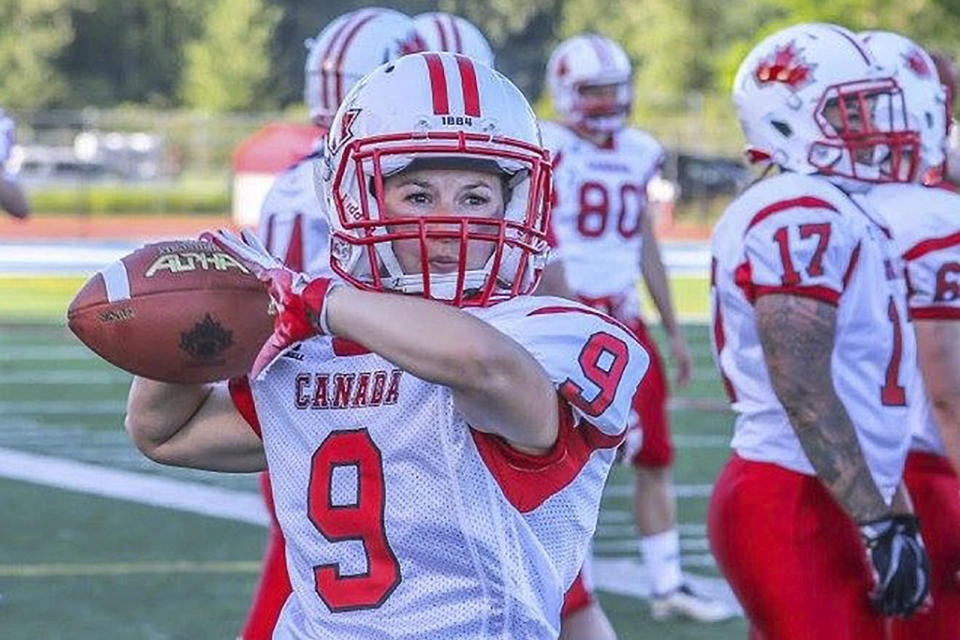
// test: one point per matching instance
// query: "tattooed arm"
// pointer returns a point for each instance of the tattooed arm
(797, 335)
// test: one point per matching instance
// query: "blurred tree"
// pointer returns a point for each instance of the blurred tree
(129, 51)
(32, 34)
(228, 66)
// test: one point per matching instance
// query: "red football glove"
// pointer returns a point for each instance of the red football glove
(298, 299)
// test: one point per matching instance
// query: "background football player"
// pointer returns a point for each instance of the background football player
(447, 32)
(468, 451)
(12, 198)
(926, 228)
(604, 235)
(293, 225)
(812, 340)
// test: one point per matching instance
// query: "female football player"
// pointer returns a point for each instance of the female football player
(437, 439)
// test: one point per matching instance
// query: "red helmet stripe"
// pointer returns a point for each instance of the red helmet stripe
(438, 83)
(456, 34)
(853, 41)
(598, 48)
(343, 51)
(443, 34)
(471, 90)
(326, 56)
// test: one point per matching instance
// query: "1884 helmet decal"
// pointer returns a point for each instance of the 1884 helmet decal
(206, 340)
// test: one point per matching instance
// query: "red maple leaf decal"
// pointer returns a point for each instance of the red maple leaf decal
(917, 63)
(785, 66)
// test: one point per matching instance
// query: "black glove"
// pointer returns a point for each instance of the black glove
(901, 567)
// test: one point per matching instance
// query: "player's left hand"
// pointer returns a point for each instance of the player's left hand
(680, 353)
(298, 299)
(900, 564)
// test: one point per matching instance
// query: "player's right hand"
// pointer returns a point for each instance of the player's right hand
(298, 299)
(900, 564)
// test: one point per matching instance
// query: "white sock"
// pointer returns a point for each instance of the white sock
(661, 554)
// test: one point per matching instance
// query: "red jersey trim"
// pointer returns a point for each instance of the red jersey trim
(527, 481)
(854, 260)
(344, 347)
(294, 256)
(803, 202)
(933, 244)
(824, 294)
(243, 400)
(935, 313)
(613, 321)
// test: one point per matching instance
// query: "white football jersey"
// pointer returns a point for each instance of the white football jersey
(802, 235)
(926, 228)
(401, 520)
(600, 198)
(293, 223)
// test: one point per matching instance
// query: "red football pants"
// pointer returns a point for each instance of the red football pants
(935, 490)
(793, 558)
(579, 596)
(274, 587)
(650, 403)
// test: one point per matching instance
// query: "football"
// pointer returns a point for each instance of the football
(181, 311)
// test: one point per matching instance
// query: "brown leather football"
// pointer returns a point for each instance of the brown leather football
(182, 311)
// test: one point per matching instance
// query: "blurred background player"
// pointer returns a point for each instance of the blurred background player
(808, 520)
(447, 32)
(12, 198)
(293, 225)
(926, 228)
(947, 71)
(604, 235)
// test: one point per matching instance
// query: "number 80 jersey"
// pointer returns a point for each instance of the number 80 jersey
(802, 235)
(403, 521)
(600, 198)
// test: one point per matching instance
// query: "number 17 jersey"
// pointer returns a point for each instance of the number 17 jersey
(801, 235)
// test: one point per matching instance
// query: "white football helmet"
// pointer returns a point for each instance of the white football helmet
(812, 99)
(447, 32)
(590, 60)
(347, 49)
(436, 109)
(925, 97)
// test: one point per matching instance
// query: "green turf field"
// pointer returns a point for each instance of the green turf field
(76, 565)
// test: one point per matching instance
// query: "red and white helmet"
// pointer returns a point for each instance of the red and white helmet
(447, 32)
(444, 107)
(590, 60)
(789, 81)
(347, 49)
(924, 95)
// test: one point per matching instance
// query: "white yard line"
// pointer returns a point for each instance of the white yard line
(61, 407)
(64, 376)
(192, 497)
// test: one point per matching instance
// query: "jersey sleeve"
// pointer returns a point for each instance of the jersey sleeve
(800, 246)
(594, 361)
(933, 274)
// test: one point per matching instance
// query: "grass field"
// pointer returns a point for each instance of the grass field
(76, 563)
